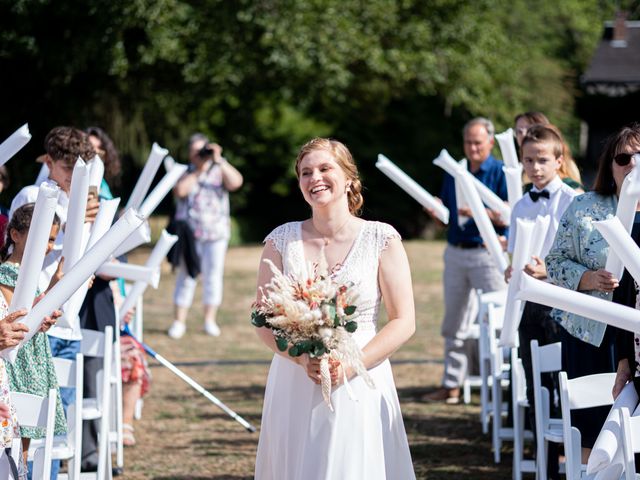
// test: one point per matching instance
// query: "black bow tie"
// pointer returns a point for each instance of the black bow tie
(536, 195)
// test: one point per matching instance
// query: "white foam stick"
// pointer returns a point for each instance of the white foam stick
(131, 272)
(43, 174)
(507, 143)
(410, 186)
(164, 244)
(14, 143)
(608, 441)
(622, 245)
(625, 211)
(81, 271)
(513, 176)
(96, 172)
(75, 233)
(35, 248)
(162, 189)
(604, 311)
(493, 201)
(139, 237)
(461, 202)
(168, 163)
(514, 307)
(146, 176)
(101, 225)
(539, 234)
(480, 216)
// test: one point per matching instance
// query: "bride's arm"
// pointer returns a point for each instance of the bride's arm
(310, 365)
(394, 276)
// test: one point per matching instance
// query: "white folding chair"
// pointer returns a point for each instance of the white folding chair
(137, 327)
(36, 411)
(519, 405)
(578, 393)
(70, 375)
(115, 424)
(499, 377)
(484, 299)
(545, 359)
(630, 430)
(100, 345)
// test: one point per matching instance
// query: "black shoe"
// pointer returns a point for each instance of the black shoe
(117, 471)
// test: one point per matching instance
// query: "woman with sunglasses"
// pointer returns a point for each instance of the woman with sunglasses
(576, 261)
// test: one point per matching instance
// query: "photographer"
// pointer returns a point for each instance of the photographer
(203, 211)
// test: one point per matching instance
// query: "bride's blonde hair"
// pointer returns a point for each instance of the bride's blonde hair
(343, 157)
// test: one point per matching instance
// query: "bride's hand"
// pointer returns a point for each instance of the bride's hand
(311, 366)
(337, 375)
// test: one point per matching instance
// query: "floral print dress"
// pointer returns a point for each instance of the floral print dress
(33, 371)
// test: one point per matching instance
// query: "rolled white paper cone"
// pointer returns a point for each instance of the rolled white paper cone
(74, 230)
(76, 277)
(409, 185)
(168, 163)
(604, 311)
(103, 221)
(507, 143)
(488, 234)
(139, 237)
(626, 212)
(513, 176)
(96, 172)
(146, 176)
(514, 307)
(613, 471)
(131, 273)
(622, 245)
(493, 201)
(43, 174)
(539, 234)
(14, 143)
(461, 201)
(608, 441)
(101, 225)
(162, 189)
(158, 253)
(35, 248)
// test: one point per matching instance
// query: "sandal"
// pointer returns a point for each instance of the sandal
(128, 440)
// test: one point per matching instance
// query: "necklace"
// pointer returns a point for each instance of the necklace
(327, 240)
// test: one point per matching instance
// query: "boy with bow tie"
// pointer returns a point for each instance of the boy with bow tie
(542, 158)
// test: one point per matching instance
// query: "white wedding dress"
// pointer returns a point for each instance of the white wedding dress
(300, 438)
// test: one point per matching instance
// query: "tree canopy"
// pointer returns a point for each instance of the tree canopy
(262, 77)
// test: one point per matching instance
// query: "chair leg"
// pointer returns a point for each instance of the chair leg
(496, 389)
(466, 392)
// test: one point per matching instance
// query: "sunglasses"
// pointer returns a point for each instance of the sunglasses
(623, 159)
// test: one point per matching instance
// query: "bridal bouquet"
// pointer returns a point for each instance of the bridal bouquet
(313, 315)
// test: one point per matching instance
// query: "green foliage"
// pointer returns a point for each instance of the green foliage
(262, 77)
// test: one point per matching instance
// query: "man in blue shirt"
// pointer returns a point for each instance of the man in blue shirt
(467, 263)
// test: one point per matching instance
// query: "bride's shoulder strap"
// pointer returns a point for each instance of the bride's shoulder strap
(283, 234)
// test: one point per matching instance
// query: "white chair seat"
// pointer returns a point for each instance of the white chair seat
(90, 409)
(554, 432)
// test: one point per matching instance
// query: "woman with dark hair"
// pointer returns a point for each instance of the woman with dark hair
(576, 261)
(107, 151)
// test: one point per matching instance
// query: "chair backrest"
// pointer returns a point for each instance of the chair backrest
(630, 430)
(518, 382)
(579, 393)
(92, 344)
(495, 314)
(36, 411)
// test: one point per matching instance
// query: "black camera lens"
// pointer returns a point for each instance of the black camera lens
(205, 151)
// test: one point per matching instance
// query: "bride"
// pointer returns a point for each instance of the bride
(300, 438)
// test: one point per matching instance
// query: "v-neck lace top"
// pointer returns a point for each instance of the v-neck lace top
(360, 266)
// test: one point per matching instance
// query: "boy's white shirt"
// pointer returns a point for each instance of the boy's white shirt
(29, 194)
(560, 197)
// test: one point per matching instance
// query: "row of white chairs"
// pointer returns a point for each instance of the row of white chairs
(38, 411)
(501, 367)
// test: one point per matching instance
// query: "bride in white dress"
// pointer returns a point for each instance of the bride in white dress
(300, 438)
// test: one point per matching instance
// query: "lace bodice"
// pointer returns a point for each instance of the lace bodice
(360, 266)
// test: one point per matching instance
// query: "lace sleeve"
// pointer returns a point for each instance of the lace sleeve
(279, 237)
(386, 233)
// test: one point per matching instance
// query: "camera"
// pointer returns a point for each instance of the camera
(205, 151)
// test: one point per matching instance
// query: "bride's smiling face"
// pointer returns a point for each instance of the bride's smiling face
(321, 179)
